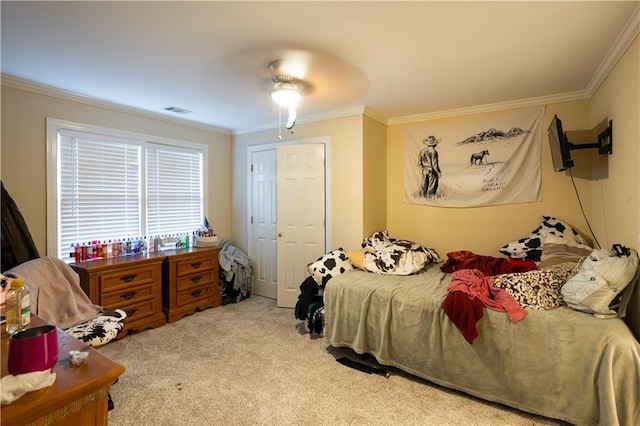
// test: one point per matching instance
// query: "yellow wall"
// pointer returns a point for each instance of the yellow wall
(23, 152)
(611, 202)
(615, 206)
(374, 191)
(484, 230)
(346, 177)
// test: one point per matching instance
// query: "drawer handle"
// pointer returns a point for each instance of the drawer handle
(196, 265)
(196, 293)
(128, 278)
(128, 295)
(131, 312)
(195, 279)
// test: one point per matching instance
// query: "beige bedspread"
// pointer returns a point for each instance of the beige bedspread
(55, 292)
(557, 363)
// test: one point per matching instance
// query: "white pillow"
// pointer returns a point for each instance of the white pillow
(601, 277)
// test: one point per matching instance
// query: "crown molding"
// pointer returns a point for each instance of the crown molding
(376, 116)
(499, 106)
(622, 43)
(41, 89)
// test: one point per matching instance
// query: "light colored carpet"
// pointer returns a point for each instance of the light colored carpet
(252, 363)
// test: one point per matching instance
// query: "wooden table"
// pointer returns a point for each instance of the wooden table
(79, 394)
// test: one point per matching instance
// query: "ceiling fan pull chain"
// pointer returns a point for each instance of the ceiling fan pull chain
(293, 116)
(279, 122)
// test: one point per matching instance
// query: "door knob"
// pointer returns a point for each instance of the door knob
(279, 234)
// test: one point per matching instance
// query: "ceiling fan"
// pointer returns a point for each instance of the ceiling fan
(288, 88)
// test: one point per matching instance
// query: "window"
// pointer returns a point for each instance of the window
(106, 184)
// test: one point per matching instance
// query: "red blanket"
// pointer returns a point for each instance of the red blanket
(488, 265)
(470, 290)
(464, 311)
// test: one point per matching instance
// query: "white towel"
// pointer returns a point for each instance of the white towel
(13, 387)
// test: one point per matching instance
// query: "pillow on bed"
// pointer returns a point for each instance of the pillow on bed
(356, 257)
(392, 256)
(602, 276)
(530, 247)
(537, 289)
(560, 250)
(330, 265)
(382, 239)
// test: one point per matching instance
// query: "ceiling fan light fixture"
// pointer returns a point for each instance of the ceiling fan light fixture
(286, 95)
(287, 90)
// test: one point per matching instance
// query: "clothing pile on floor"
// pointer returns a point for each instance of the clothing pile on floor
(310, 306)
(235, 274)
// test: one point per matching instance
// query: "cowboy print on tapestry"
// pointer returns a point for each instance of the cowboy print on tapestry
(490, 161)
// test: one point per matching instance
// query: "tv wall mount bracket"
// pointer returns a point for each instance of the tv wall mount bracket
(604, 142)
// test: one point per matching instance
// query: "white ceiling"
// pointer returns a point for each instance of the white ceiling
(397, 59)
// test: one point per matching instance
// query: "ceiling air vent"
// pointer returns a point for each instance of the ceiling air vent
(177, 110)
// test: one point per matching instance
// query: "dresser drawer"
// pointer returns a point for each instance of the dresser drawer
(139, 310)
(127, 278)
(195, 280)
(189, 266)
(128, 295)
(190, 281)
(195, 295)
(130, 283)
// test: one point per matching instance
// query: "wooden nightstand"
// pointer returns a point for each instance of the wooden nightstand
(130, 283)
(190, 281)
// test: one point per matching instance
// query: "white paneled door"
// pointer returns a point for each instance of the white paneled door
(263, 222)
(300, 216)
(287, 218)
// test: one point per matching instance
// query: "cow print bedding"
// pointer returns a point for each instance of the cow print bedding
(328, 266)
(100, 330)
(530, 247)
(386, 255)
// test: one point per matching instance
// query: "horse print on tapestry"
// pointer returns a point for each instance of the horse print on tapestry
(474, 163)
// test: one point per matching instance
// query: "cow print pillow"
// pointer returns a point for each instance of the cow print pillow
(530, 247)
(100, 330)
(330, 265)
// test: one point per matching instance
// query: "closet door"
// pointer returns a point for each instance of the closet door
(300, 216)
(263, 222)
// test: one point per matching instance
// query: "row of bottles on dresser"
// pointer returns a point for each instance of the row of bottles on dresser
(82, 252)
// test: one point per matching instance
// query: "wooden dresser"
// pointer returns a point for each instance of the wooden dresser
(190, 281)
(153, 288)
(130, 283)
(77, 397)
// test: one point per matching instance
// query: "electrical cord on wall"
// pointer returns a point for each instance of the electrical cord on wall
(582, 209)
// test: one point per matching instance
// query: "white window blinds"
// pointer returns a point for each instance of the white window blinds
(99, 189)
(114, 185)
(174, 190)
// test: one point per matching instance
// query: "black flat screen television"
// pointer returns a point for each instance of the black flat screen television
(560, 146)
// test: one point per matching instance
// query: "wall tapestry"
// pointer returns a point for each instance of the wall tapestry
(483, 162)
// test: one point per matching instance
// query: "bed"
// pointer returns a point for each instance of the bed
(559, 363)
